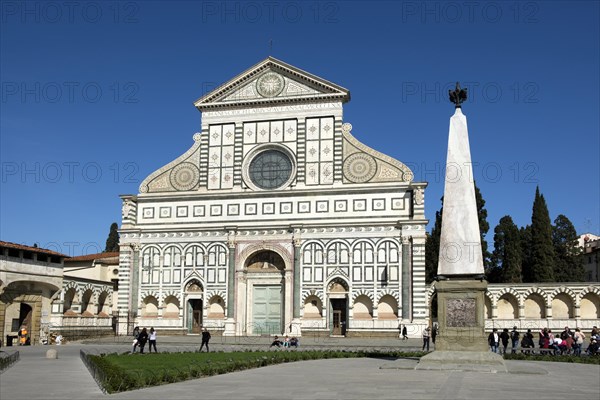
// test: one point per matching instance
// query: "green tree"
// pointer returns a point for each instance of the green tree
(432, 247)
(506, 258)
(542, 248)
(112, 242)
(525, 240)
(484, 226)
(568, 266)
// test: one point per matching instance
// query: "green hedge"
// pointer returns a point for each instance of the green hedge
(553, 358)
(118, 373)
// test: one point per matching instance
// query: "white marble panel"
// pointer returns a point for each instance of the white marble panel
(312, 151)
(290, 130)
(228, 134)
(227, 178)
(214, 178)
(227, 156)
(326, 150)
(327, 128)
(277, 131)
(214, 135)
(262, 132)
(312, 129)
(312, 173)
(214, 157)
(326, 173)
(249, 132)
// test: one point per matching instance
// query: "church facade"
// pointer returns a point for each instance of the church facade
(277, 220)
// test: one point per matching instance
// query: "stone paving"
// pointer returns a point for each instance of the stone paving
(35, 377)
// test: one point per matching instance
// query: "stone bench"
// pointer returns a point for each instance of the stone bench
(534, 350)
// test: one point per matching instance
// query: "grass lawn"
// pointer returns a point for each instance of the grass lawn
(121, 372)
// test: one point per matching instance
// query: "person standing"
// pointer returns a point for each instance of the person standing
(579, 338)
(434, 333)
(152, 340)
(514, 337)
(404, 333)
(504, 336)
(205, 339)
(142, 339)
(493, 340)
(426, 335)
(136, 334)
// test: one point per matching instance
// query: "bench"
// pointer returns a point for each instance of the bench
(534, 350)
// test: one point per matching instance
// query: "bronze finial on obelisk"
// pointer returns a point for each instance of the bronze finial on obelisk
(458, 95)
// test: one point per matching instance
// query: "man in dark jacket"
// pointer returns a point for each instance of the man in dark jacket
(205, 339)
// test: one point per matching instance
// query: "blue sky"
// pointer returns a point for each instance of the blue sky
(97, 95)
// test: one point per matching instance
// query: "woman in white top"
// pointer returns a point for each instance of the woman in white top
(152, 340)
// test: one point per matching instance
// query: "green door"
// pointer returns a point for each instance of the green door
(266, 310)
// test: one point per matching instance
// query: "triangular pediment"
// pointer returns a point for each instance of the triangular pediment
(270, 82)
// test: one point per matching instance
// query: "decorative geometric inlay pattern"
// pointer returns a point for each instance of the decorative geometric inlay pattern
(270, 84)
(184, 176)
(360, 168)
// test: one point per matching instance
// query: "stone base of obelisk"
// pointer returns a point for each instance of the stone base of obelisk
(461, 343)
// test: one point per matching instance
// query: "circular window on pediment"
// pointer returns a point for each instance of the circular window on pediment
(270, 169)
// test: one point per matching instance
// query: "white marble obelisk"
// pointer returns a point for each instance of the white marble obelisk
(460, 242)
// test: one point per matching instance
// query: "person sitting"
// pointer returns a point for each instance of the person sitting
(276, 342)
(527, 341)
(593, 348)
(286, 341)
(294, 342)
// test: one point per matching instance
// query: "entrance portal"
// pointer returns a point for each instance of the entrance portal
(194, 315)
(25, 314)
(338, 322)
(266, 315)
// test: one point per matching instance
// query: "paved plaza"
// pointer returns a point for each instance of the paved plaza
(35, 377)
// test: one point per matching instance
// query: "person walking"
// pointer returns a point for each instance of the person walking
(426, 335)
(152, 340)
(504, 337)
(514, 337)
(205, 339)
(142, 339)
(404, 333)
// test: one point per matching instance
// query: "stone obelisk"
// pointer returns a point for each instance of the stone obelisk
(461, 343)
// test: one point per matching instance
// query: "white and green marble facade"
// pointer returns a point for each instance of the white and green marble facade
(344, 222)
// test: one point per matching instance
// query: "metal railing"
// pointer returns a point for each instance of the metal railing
(8, 359)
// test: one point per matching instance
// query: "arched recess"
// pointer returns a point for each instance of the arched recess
(363, 307)
(69, 298)
(87, 303)
(508, 306)
(387, 307)
(590, 306)
(313, 307)
(488, 307)
(171, 307)
(150, 307)
(103, 306)
(562, 306)
(216, 308)
(534, 306)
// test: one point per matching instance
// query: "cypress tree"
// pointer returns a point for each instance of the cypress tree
(542, 248)
(568, 265)
(484, 227)
(432, 247)
(506, 258)
(525, 240)
(112, 242)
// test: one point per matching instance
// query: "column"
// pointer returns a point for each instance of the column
(297, 290)
(406, 278)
